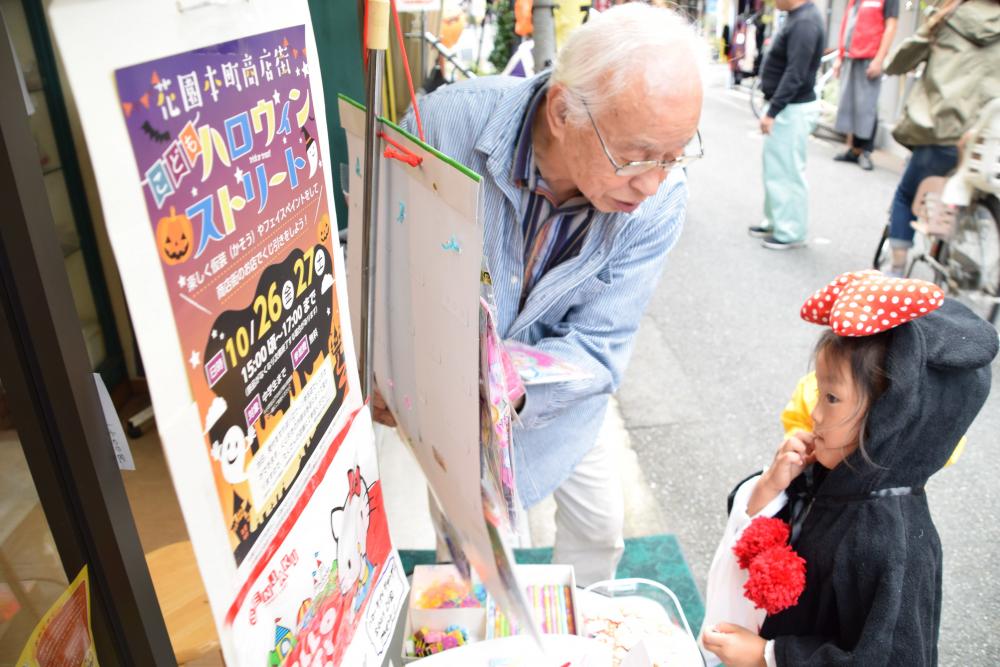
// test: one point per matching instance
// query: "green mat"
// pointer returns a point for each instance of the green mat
(656, 557)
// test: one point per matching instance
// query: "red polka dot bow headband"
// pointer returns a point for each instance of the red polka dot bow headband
(864, 303)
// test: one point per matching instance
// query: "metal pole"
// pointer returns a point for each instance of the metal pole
(482, 34)
(543, 29)
(378, 38)
(423, 50)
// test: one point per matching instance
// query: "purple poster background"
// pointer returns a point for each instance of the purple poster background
(225, 143)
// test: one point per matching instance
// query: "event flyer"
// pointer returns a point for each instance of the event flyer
(207, 133)
(224, 141)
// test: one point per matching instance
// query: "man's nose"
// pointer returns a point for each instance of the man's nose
(649, 182)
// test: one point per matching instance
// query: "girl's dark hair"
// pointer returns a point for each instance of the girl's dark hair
(865, 356)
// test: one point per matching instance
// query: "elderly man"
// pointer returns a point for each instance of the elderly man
(583, 198)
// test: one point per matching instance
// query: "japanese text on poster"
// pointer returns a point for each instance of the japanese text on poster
(232, 176)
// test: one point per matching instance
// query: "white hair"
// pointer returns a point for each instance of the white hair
(627, 45)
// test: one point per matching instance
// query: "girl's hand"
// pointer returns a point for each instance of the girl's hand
(792, 457)
(790, 460)
(735, 645)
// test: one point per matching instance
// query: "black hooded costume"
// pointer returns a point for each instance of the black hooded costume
(873, 556)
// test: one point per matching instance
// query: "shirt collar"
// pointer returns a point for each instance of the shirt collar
(525, 172)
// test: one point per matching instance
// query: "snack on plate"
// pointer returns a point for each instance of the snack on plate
(621, 623)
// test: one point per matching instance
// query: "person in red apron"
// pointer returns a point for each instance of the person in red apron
(866, 33)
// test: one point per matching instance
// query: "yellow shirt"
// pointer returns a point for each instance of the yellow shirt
(797, 415)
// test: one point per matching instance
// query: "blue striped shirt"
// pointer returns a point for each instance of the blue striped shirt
(586, 309)
(553, 232)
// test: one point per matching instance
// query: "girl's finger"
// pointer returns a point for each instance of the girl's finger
(728, 627)
(792, 458)
(806, 438)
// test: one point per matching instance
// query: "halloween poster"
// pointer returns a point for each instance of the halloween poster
(206, 128)
(224, 139)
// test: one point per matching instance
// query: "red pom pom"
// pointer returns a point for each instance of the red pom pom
(777, 578)
(762, 534)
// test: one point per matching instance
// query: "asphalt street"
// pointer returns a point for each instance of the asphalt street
(721, 348)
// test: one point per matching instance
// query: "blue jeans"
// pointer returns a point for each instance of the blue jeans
(925, 161)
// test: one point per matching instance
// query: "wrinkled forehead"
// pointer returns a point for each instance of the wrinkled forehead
(654, 118)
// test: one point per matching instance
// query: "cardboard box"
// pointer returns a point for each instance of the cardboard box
(474, 619)
(543, 575)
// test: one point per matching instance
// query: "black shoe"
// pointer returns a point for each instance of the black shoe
(759, 231)
(865, 161)
(846, 156)
(772, 243)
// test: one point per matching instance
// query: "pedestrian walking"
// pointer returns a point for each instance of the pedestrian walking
(866, 34)
(788, 79)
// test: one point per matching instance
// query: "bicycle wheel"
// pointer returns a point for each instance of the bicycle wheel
(757, 102)
(918, 265)
(883, 253)
(973, 257)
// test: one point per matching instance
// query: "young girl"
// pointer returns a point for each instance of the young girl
(901, 376)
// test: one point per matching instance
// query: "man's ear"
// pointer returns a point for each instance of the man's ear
(556, 110)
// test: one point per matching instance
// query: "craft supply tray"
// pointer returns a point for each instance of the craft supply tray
(474, 619)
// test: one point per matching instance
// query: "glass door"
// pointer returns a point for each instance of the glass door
(31, 573)
(62, 501)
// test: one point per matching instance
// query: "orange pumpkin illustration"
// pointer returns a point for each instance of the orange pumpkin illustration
(174, 237)
(324, 228)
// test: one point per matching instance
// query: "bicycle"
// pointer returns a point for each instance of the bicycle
(957, 240)
(826, 89)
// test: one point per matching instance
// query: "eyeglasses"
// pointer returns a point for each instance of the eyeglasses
(692, 152)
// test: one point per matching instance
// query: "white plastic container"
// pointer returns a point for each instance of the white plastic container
(642, 622)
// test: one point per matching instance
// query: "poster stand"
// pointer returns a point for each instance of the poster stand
(208, 139)
(377, 41)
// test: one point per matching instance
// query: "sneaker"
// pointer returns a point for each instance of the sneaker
(865, 161)
(759, 231)
(846, 156)
(772, 243)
